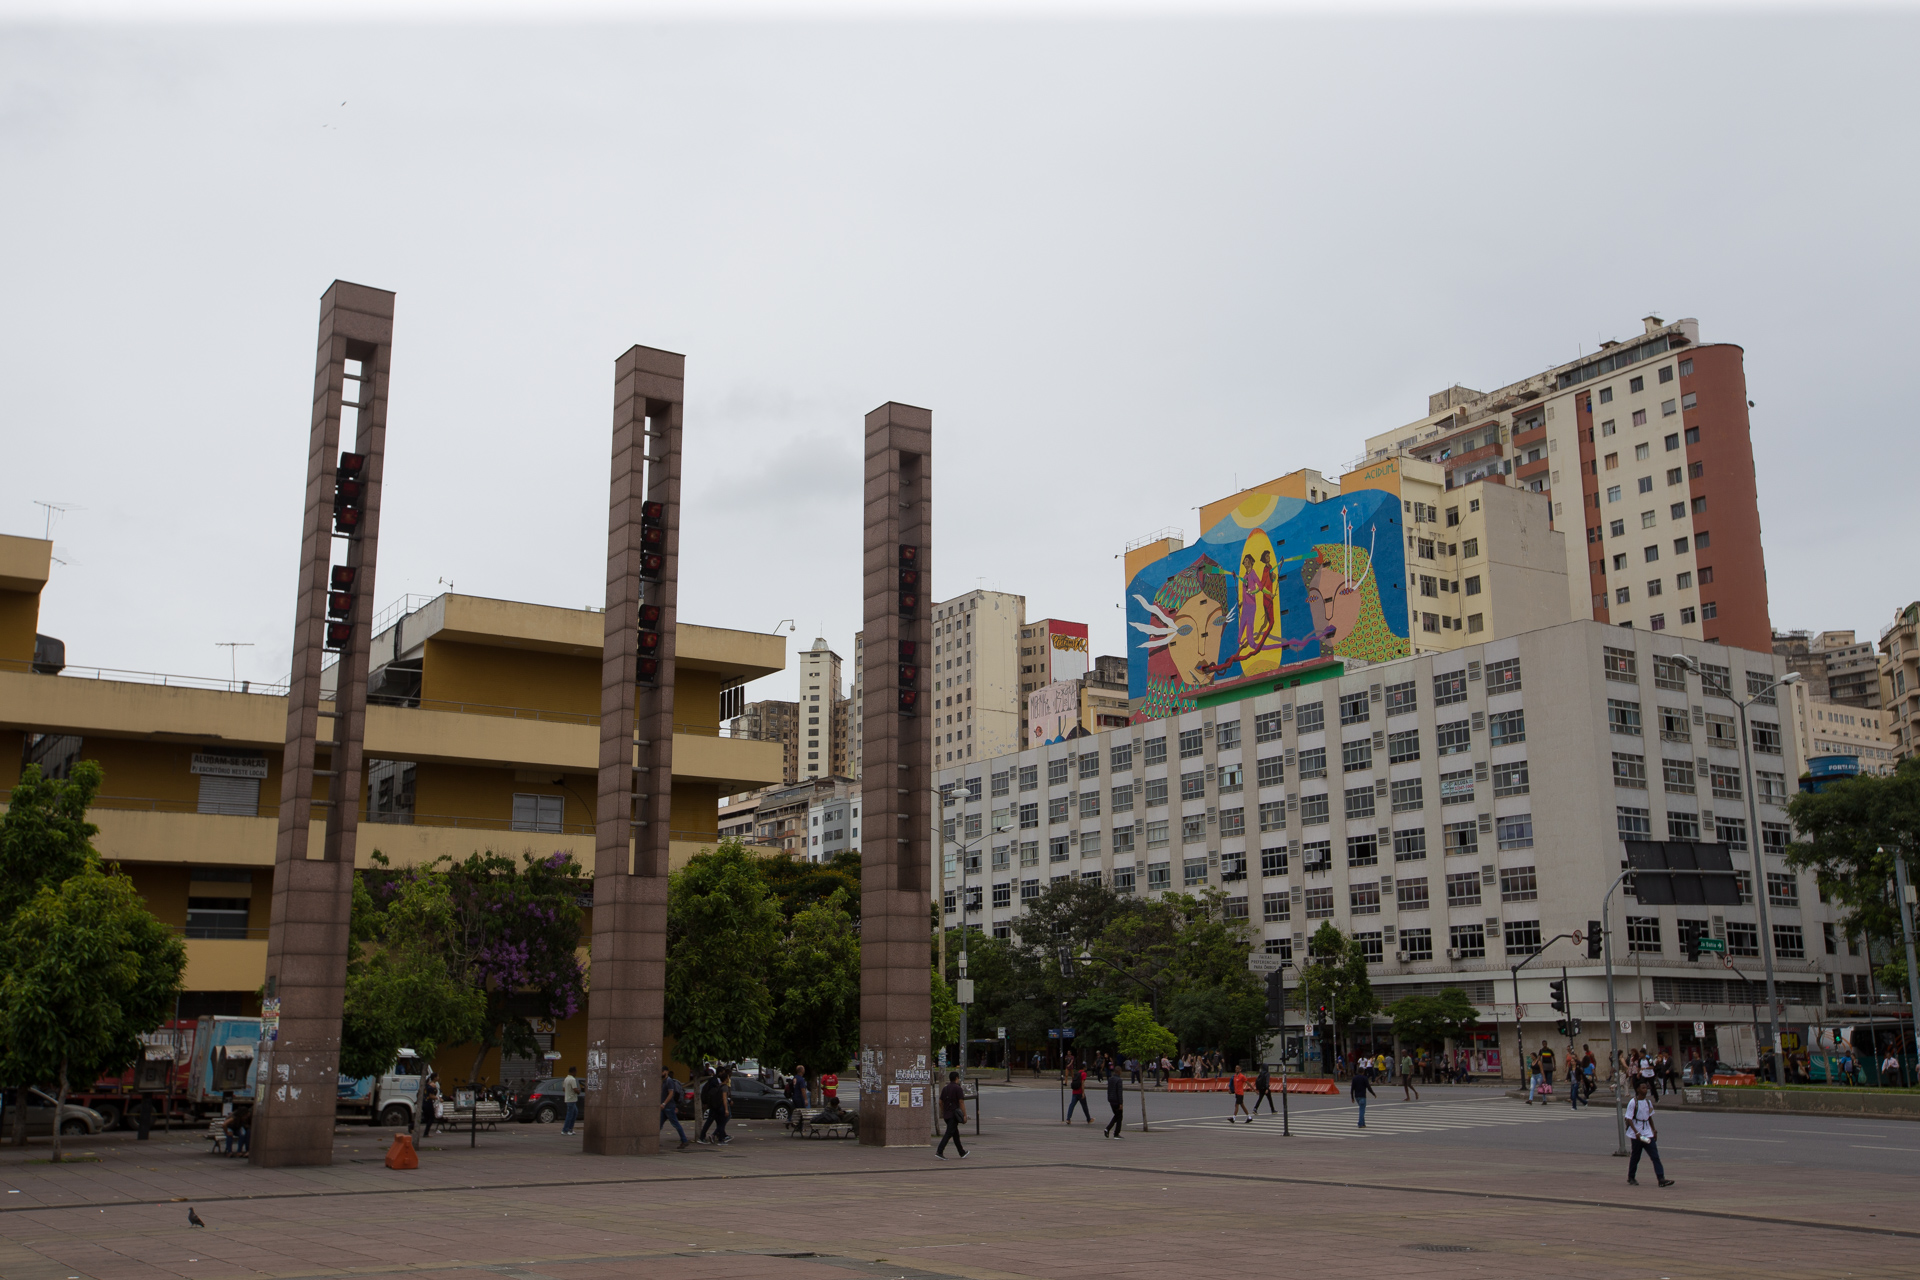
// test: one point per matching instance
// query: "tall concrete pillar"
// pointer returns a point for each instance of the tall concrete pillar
(298, 1066)
(896, 783)
(627, 981)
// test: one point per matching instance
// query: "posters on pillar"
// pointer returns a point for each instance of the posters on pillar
(1053, 713)
(1279, 584)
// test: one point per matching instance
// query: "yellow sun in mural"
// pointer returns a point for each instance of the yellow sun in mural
(1255, 511)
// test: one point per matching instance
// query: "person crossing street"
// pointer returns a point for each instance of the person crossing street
(1263, 1089)
(1362, 1086)
(1079, 1098)
(1117, 1101)
(1645, 1137)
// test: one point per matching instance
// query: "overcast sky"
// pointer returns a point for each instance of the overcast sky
(1124, 262)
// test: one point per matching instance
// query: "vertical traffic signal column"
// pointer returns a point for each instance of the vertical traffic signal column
(629, 964)
(896, 783)
(299, 1059)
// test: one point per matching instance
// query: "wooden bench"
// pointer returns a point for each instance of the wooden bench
(217, 1136)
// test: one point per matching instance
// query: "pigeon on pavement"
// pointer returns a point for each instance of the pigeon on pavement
(194, 1218)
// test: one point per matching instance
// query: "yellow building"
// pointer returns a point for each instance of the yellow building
(482, 733)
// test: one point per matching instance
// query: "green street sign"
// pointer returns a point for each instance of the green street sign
(1718, 946)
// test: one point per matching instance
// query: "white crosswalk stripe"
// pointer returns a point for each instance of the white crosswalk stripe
(1322, 1119)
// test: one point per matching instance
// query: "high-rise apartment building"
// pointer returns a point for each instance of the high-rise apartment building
(1833, 665)
(972, 678)
(1644, 451)
(1900, 680)
(1824, 727)
(770, 720)
(823, 749)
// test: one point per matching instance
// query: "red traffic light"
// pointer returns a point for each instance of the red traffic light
(351, 464)
(909, 556)
(650, 615)
(909, 579)
(909, 604)
(648, 672)
(340, 604)
(649, 643)
(909, 676)
(339, 635)
(350, 491)
(343, 576)
(909, 650)
(909, 702)
(653, 537)
(652, 565)
(653, 513)
(346, 519)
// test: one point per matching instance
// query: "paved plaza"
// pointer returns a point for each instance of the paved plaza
(1466, 1182)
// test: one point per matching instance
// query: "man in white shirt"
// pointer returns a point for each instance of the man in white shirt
(1645, 1136)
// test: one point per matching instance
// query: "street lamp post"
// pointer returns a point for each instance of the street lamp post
(965, 850)
(1754, 849)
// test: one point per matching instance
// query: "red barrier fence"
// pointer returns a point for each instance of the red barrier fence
(1220, 1084)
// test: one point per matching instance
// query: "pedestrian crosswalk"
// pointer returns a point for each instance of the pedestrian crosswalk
(1387, 1119)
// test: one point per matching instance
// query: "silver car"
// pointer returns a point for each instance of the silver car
(75, 1120)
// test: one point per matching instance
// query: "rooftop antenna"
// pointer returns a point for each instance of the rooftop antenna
(51, 508)
(445, 582)
(233, 657)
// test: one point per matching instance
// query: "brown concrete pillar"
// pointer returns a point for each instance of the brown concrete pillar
(299, 1061)
(896, 784)
(629, 966)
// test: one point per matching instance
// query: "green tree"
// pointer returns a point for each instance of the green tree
(816, 987)
(723, 938)
(1854, 830)
(799, 884)
(1335, 978)
(85, 970)
(45, 837)
(403, 989)
(1144, 1040)
(946, 1013)
(510, 931)
(1420, 1020)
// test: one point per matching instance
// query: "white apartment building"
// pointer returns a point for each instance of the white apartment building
(1644, 451)
(821, 754)
(1451, 812)
(1823, 727)
(833, 821)
(972, 678)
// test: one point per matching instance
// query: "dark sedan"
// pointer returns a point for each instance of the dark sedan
(546, 1102)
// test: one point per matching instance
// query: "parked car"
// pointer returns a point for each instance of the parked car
(75, 1120)
(546, 1102)
(753, 1100)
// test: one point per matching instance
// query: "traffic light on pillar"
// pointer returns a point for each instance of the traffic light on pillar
(1594, 940)
(653, 540)
(909, 677)
(349, 493)
(647, 649)
(909, 580)
(1693, 944)
(1559, 990)
(340, 600)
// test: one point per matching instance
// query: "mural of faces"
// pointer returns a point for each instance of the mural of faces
(1335, 603)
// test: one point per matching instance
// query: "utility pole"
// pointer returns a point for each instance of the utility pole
(233, 658)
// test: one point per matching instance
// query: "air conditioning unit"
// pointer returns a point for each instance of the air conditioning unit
(1453, 953)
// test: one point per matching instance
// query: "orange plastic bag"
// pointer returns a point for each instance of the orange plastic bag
(401, 1154)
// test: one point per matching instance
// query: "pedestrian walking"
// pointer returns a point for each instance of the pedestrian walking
(1362, 1086)
(713, 1097)
(1645, 1137)
(1079, 1098)
(1546, 1067)
(1240, 1097)
(1407, 1091)
(1589, 1074)
(670, 1095)
(1573, 1079)
(801, 1098)
(1133, 1066)
(953, 1110)
(1533, 1077)
(1263, 1089)
(570, 1094)
(430, 1105)
(1117, 1103)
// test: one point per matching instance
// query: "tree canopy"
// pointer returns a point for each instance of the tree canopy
(724, 931)
(1853, 830)
(816, 989)
(85, 968)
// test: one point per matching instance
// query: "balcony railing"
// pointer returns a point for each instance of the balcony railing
(219, 684)
(463, 822)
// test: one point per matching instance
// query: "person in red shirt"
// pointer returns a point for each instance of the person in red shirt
(829, 1086)
(1240, 1097)
(1079, 1096)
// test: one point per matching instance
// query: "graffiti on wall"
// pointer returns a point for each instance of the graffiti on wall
(1053, 713)
(1277, 583)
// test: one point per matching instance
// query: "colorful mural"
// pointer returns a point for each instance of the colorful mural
(1277, 583)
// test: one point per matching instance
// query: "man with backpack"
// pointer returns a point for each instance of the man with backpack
(1645, 1137)
(713, 1096)
(670, 1095)
(1079, 1098)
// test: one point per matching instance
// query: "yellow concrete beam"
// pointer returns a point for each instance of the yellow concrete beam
(124, 709)
(225, 964)
(25, 563)
(513, 624)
